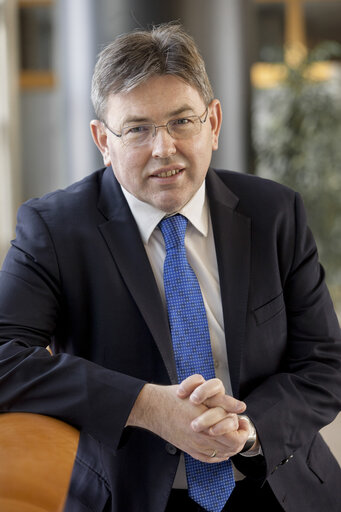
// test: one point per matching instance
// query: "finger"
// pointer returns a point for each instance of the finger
(227, 402)
(225, 426)
(243, 425)
(205, 457)
(212, 450)
(187, 386)
(223, 447)
(207, 419)
(219, 456)
(233, 441)
(206, 390)
(212, 394)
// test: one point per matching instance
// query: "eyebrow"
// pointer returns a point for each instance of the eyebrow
(178, 111)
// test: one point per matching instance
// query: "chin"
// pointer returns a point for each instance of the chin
(171, 207)
(168, 204)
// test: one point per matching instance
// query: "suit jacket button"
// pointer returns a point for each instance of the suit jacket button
(171, 449)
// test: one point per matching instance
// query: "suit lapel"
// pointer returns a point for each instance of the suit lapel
(124, 242)
(232, 235)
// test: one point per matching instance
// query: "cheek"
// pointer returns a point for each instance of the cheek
(204, 144)
(133, 164)
(128, 168)
(202, 154)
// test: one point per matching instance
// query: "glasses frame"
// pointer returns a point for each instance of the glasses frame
(202, 121)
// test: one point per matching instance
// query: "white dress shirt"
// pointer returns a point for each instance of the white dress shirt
(201, 255)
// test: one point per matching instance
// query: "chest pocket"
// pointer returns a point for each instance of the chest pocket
(269, 310)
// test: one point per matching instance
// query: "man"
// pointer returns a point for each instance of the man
(85, 275)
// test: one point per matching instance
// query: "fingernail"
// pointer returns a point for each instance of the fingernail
(194, 425)
(241, 407)
(195, 398)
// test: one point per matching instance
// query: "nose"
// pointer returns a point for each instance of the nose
(163, 143)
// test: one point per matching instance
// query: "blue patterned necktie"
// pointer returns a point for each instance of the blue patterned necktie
(210, 485)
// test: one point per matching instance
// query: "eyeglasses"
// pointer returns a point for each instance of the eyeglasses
(142, 134)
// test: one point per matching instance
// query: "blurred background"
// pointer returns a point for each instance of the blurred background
(274, 64)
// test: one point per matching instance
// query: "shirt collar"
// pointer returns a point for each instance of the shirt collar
(147, 217)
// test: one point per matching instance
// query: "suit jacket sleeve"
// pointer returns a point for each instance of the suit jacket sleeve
(87, 395)
(290, 406)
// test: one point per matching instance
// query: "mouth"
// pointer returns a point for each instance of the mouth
(167, 173)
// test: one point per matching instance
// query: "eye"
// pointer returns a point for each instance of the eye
(140, 129)
(182, 121)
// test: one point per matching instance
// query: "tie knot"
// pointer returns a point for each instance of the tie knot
(173, 230)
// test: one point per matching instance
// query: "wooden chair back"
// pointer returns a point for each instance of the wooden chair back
(36, 459)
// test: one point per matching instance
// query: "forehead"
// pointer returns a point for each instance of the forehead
(156, 99)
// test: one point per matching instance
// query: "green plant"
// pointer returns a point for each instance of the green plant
(296, 131)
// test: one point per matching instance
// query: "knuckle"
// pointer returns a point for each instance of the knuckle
(235, 423)
(218, 384)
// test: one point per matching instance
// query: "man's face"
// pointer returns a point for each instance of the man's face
(141, 170)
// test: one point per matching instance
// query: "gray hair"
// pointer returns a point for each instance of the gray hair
(133, 58)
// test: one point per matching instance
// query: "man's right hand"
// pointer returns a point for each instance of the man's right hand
(160, 410)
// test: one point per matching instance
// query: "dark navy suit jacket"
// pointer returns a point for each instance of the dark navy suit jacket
(77, 278)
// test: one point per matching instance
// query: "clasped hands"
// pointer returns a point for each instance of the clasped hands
(219, 423)
(196, 416)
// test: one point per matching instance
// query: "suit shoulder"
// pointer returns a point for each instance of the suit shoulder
(254, 190)
(76, 197)
(240, 181)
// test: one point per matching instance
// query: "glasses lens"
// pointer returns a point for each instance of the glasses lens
(137, 135)
(184, 128)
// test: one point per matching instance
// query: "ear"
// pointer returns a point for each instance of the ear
(101, 140)
(215, 117)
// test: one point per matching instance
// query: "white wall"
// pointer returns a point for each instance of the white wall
(9, 140)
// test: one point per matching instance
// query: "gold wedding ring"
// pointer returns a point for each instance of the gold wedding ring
(213, 454)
